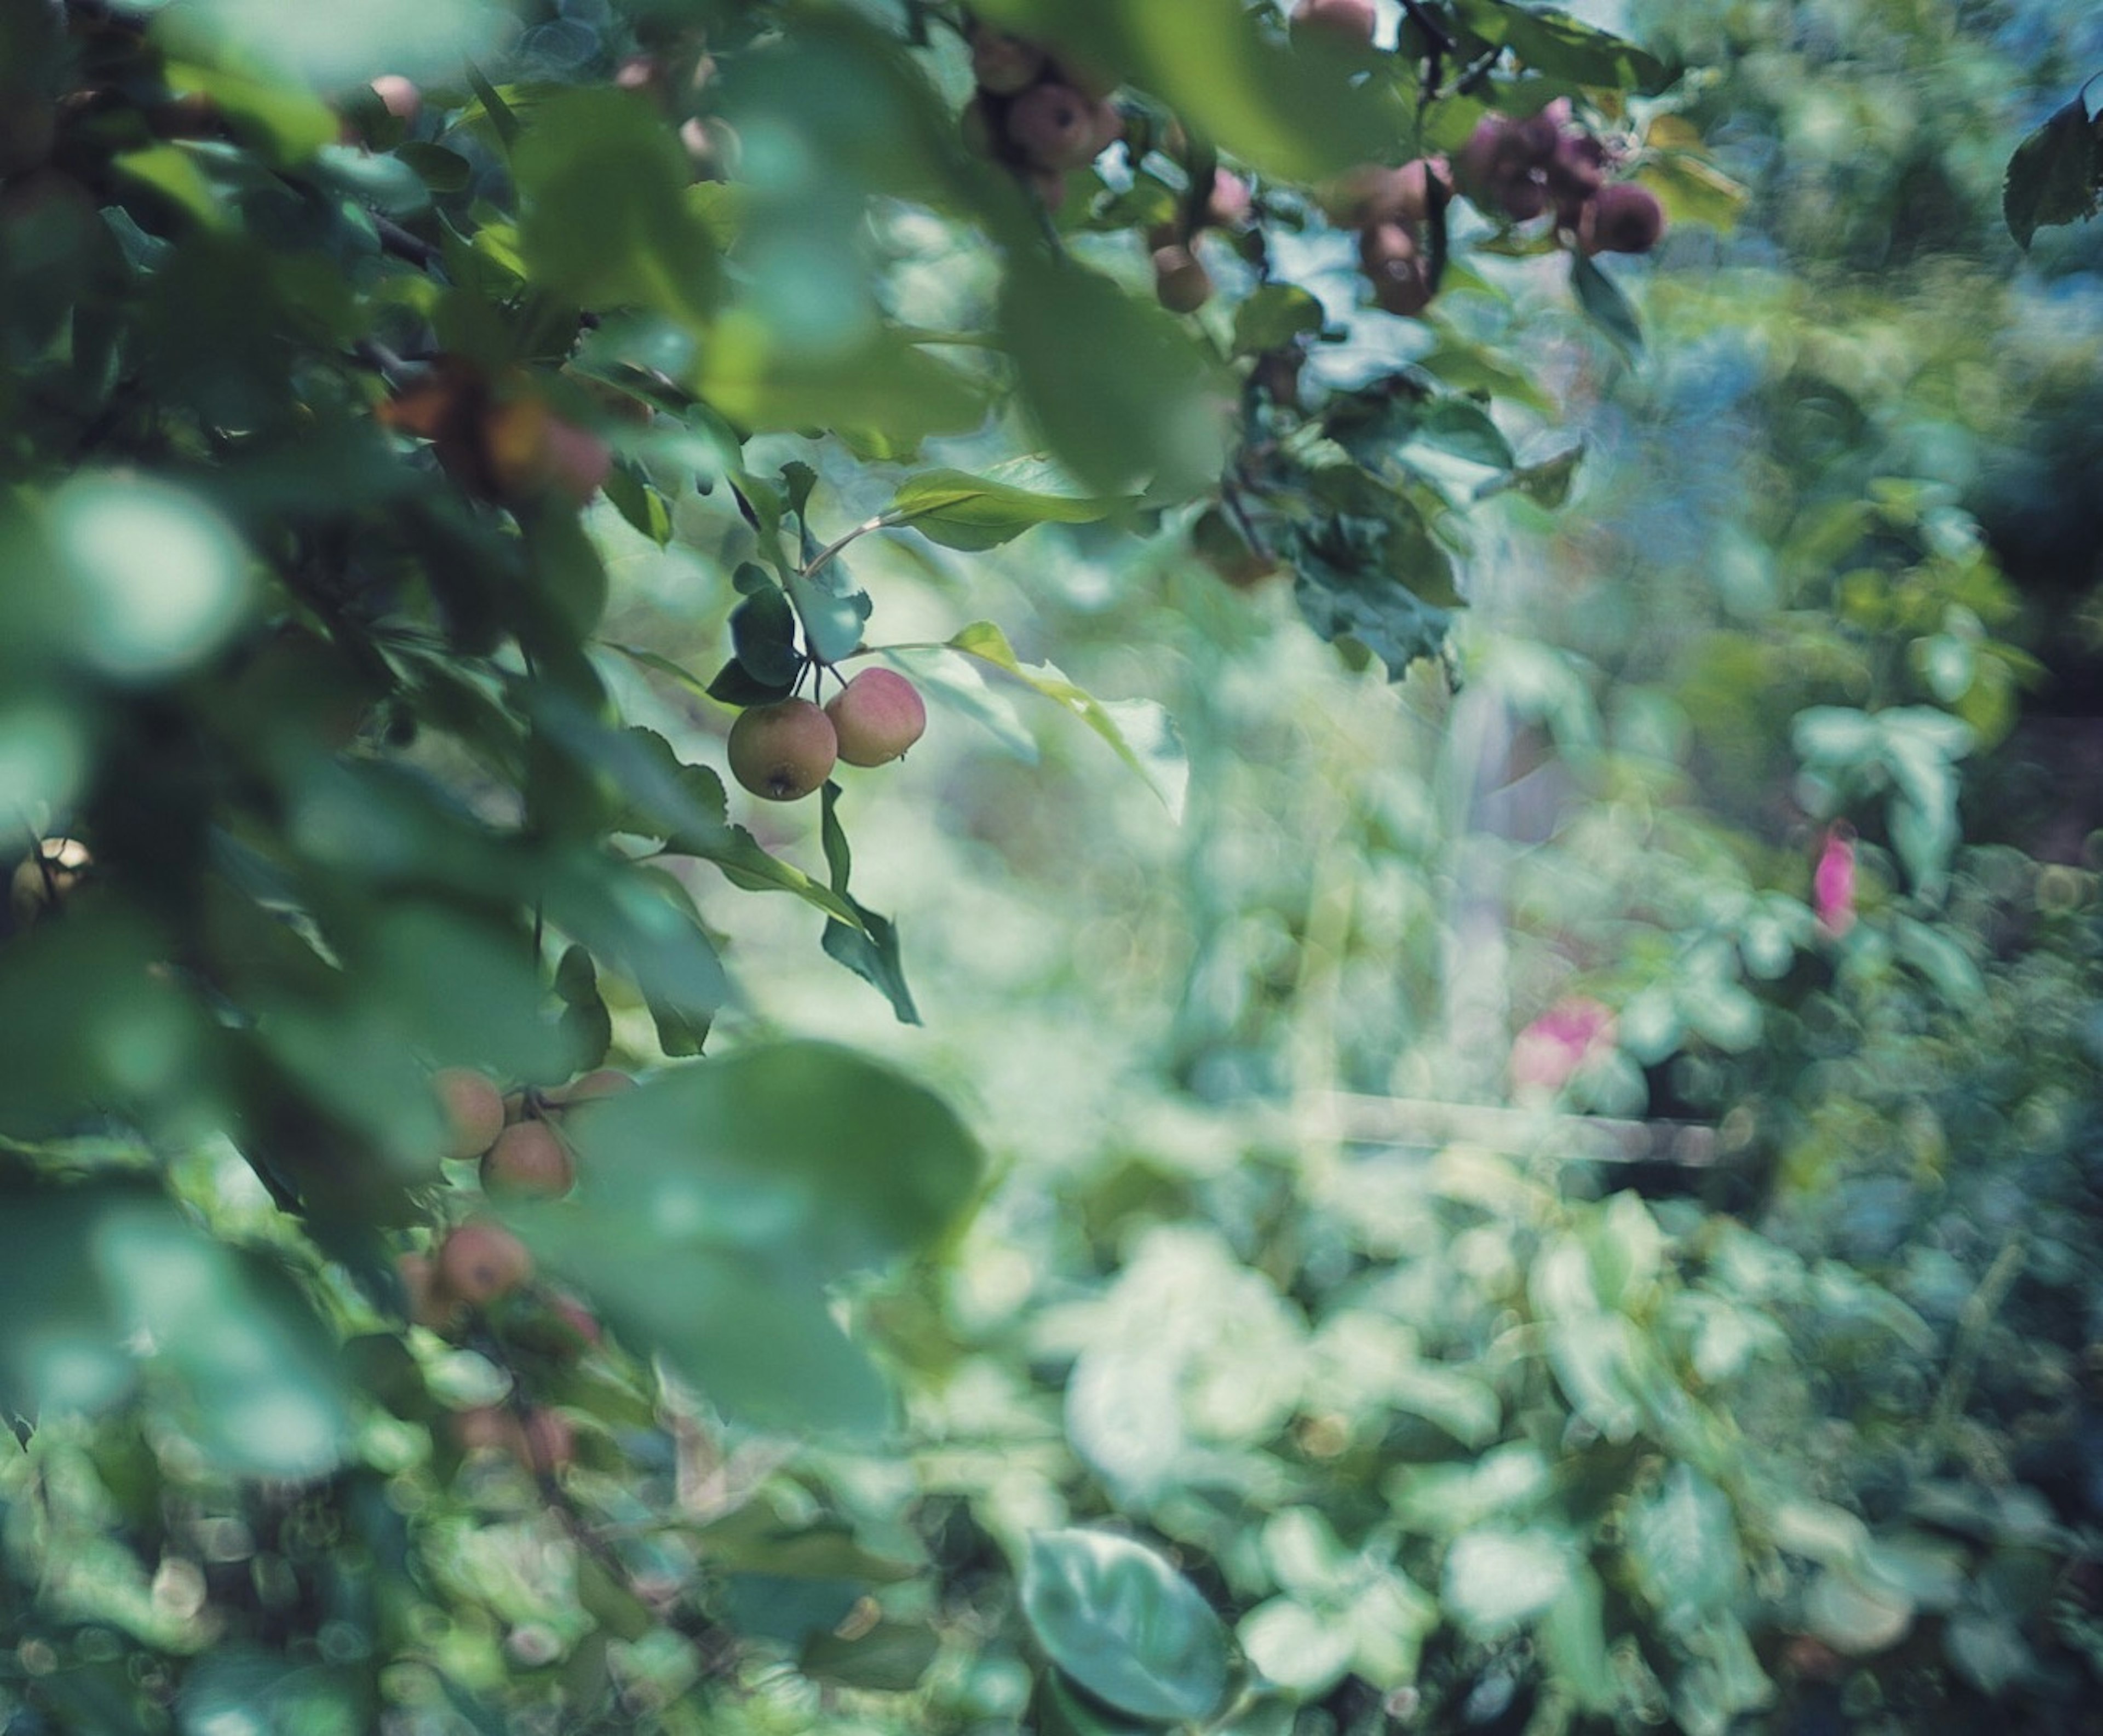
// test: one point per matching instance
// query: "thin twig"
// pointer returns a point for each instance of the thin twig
(403, 245)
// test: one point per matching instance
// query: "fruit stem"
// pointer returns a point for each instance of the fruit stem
(881, 521)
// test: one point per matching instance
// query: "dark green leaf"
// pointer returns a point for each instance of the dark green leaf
(1125, 1625)
(870, 950)
(891, 1658)
(762, 633)
(734, 685)
(1273, 316)
(2056, 176)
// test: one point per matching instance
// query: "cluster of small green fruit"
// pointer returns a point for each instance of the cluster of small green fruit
(785, 750)
(478, 1264)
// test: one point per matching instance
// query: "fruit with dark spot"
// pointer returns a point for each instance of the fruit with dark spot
(1056, 127)
(46, 879)
(480, 1262)
(784, 750)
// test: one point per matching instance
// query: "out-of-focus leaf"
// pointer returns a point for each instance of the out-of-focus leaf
(1495, 1580)
(869, 948)
(962, 511)
(1141, 732)
(1606, 306)
(603, 217)
(1125, 1625)
(2056, 176)
(1273, 315)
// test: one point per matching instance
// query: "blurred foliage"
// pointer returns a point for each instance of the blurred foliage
(1532, 1166)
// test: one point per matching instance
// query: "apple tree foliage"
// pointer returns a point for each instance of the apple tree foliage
(322, 407)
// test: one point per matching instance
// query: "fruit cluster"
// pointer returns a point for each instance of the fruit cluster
(496, 436)
(1039, 116)
(478, 1264)
(785, 750)
(1547, 162)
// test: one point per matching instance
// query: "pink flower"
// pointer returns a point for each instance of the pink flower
(1833, 882)
(1549, 1052)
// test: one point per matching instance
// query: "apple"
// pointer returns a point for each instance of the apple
(480, 1262)
(528, 1160)
(876, 716)
(472, 1108)
(784, 750)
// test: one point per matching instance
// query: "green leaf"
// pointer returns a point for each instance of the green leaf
(1606, 306)
(1462, 428)
(1302, 1649)
(891, 1658)
(2056, 176)
(1121, 406)
(1125, 1625)
(762, 634)
(870, 948)
(334, 47)
(962, 511)
(1273, 316)
(831, 609)
(1285, 111)
(242, 1690)
(586, 1024)
(1139, 731)
(1683, 1541)
(603, 217)
(727, 1196)
(1573, 1642)
(1561, 46)
(1497, 1580)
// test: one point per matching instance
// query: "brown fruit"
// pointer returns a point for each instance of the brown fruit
(1056, 127)
(1221, 546)
(1180, 281)
(876, 716)
(1622, 218)
(550, 1441)
(480, 1262)
(46, 879)
(472, 1108)
(529, 1160)
(784, 750)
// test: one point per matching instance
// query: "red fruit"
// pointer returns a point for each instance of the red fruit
(605, 1082)
(784, 751)
(473, 1108)
(1350, 22)
(480, 1262)
(529, 1160)
(1056, 128)
(1180, 280)
(1622, 218)
(1575, 172)
(1504, 163)
(1001, 64)
(399, 97)
(1395, 266)
(876, 716)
